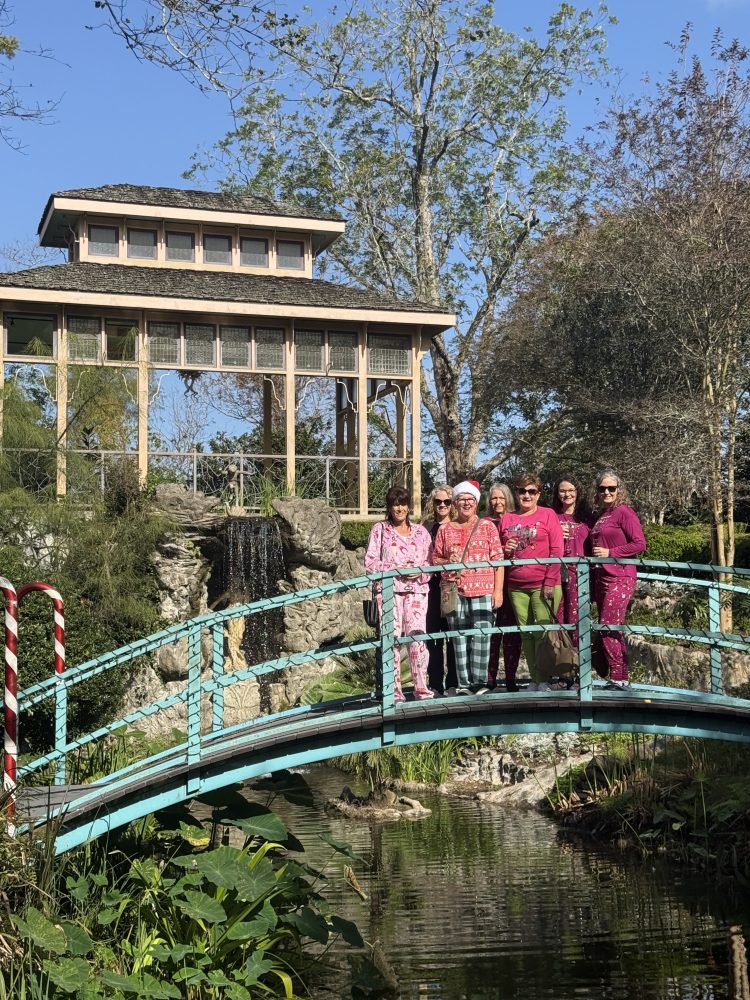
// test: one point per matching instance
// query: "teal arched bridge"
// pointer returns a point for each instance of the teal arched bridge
(214, 755)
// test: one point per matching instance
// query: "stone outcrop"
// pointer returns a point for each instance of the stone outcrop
(189, 570)
(378, 807)
(686, 666)
(310, 533)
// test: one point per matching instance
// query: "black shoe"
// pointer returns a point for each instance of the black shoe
(511, 687)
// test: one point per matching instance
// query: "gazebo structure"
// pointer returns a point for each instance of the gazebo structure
(161, 279)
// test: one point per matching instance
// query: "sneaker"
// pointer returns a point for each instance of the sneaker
(544, 686)
(450, 692)
(533, 686)
(511, 687)
(617, 686)
(463, 691)
(483, 690)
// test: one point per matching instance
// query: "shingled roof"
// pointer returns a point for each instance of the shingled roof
(217, 286)
(164, 197)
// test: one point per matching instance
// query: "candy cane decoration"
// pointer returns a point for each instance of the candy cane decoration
(61, 694)
(10, 702)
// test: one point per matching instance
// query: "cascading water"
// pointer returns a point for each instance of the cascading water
(253, 565)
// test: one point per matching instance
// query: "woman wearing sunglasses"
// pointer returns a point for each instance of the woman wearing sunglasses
(532, 532)
(616, 533)
(439, 510)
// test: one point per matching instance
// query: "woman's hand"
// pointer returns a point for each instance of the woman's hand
(511, 545)
(497, 599)
(548, 593)
(600, 552)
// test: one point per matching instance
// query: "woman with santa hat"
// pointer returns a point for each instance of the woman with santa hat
(479, 592)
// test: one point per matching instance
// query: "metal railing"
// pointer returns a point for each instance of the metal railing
(204, 691)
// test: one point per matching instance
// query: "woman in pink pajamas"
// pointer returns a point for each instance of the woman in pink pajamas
(617, 533)
(569, 503)
(396, 543)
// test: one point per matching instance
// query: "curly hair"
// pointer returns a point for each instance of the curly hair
(582, 504)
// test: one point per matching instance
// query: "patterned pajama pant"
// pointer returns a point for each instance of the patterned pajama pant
(567, 613)
(612, 595)
(472, 651)
(409, 618)
(509, 641)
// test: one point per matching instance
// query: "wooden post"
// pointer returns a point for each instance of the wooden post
(290, 401)
(364, 504)
(416, 421)
(61, 405)
(142, 402)
(267, 421)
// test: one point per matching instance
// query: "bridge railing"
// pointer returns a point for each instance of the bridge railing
(207, 680)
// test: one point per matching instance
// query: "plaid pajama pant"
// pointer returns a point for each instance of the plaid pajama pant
(472, 651)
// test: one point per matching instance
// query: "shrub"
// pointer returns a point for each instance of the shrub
(672, 543)
(354, 534)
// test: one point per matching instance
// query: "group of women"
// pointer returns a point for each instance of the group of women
(517, 527)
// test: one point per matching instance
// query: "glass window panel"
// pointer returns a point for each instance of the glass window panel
(217, 249)
(180, 246)
(164, 343)
(142, 244)
(84, 338)
(30, 335)
(308, 350)
(342, 352)
(253, 253)
(199, 344)
(389, 355)
(104, 241)
(234, 345)
(122, 337)
(269, 348)
(290, 254)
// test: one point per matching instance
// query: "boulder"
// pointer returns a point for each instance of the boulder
(310, 533)
(188, 509)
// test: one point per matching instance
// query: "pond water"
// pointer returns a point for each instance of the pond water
(478, 902)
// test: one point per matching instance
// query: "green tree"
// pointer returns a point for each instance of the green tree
(441, 138)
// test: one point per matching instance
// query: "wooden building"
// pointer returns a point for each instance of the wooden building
(162, 278)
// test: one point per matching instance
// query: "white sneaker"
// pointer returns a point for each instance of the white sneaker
(544, 686)
(483, 690)
(617, 686)
(450, 692)
(463, 691)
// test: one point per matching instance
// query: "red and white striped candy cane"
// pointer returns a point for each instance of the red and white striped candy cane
(61, 694)
(57, 602)
(10, 701)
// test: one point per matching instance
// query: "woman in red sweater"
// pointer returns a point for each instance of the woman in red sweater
(532, 532)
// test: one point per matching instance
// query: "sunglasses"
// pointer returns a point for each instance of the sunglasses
(524, 492)
(606, 489)
(441, 503)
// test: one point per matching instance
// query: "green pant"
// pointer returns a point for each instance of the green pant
(530, 609)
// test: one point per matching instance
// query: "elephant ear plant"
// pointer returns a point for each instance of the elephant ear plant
(182, 916)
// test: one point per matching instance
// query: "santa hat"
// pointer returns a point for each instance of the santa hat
(470, 486)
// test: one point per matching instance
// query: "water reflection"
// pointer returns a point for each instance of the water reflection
(476, 902)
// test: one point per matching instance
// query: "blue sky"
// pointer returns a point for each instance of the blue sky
(119, 120)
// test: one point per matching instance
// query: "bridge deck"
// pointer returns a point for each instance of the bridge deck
(331, 729)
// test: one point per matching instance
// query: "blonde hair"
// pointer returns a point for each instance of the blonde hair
(510, 500)
(622, 495)
(442, 488)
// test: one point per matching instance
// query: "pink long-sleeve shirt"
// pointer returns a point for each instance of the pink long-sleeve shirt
(387, 549)
(620, 531)
(483, 546)
(578, 533)
(539, 537)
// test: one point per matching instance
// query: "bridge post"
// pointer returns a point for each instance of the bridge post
(388, 662)
(714, 625)
(217, 671)
(194, 705)
(585, 679)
